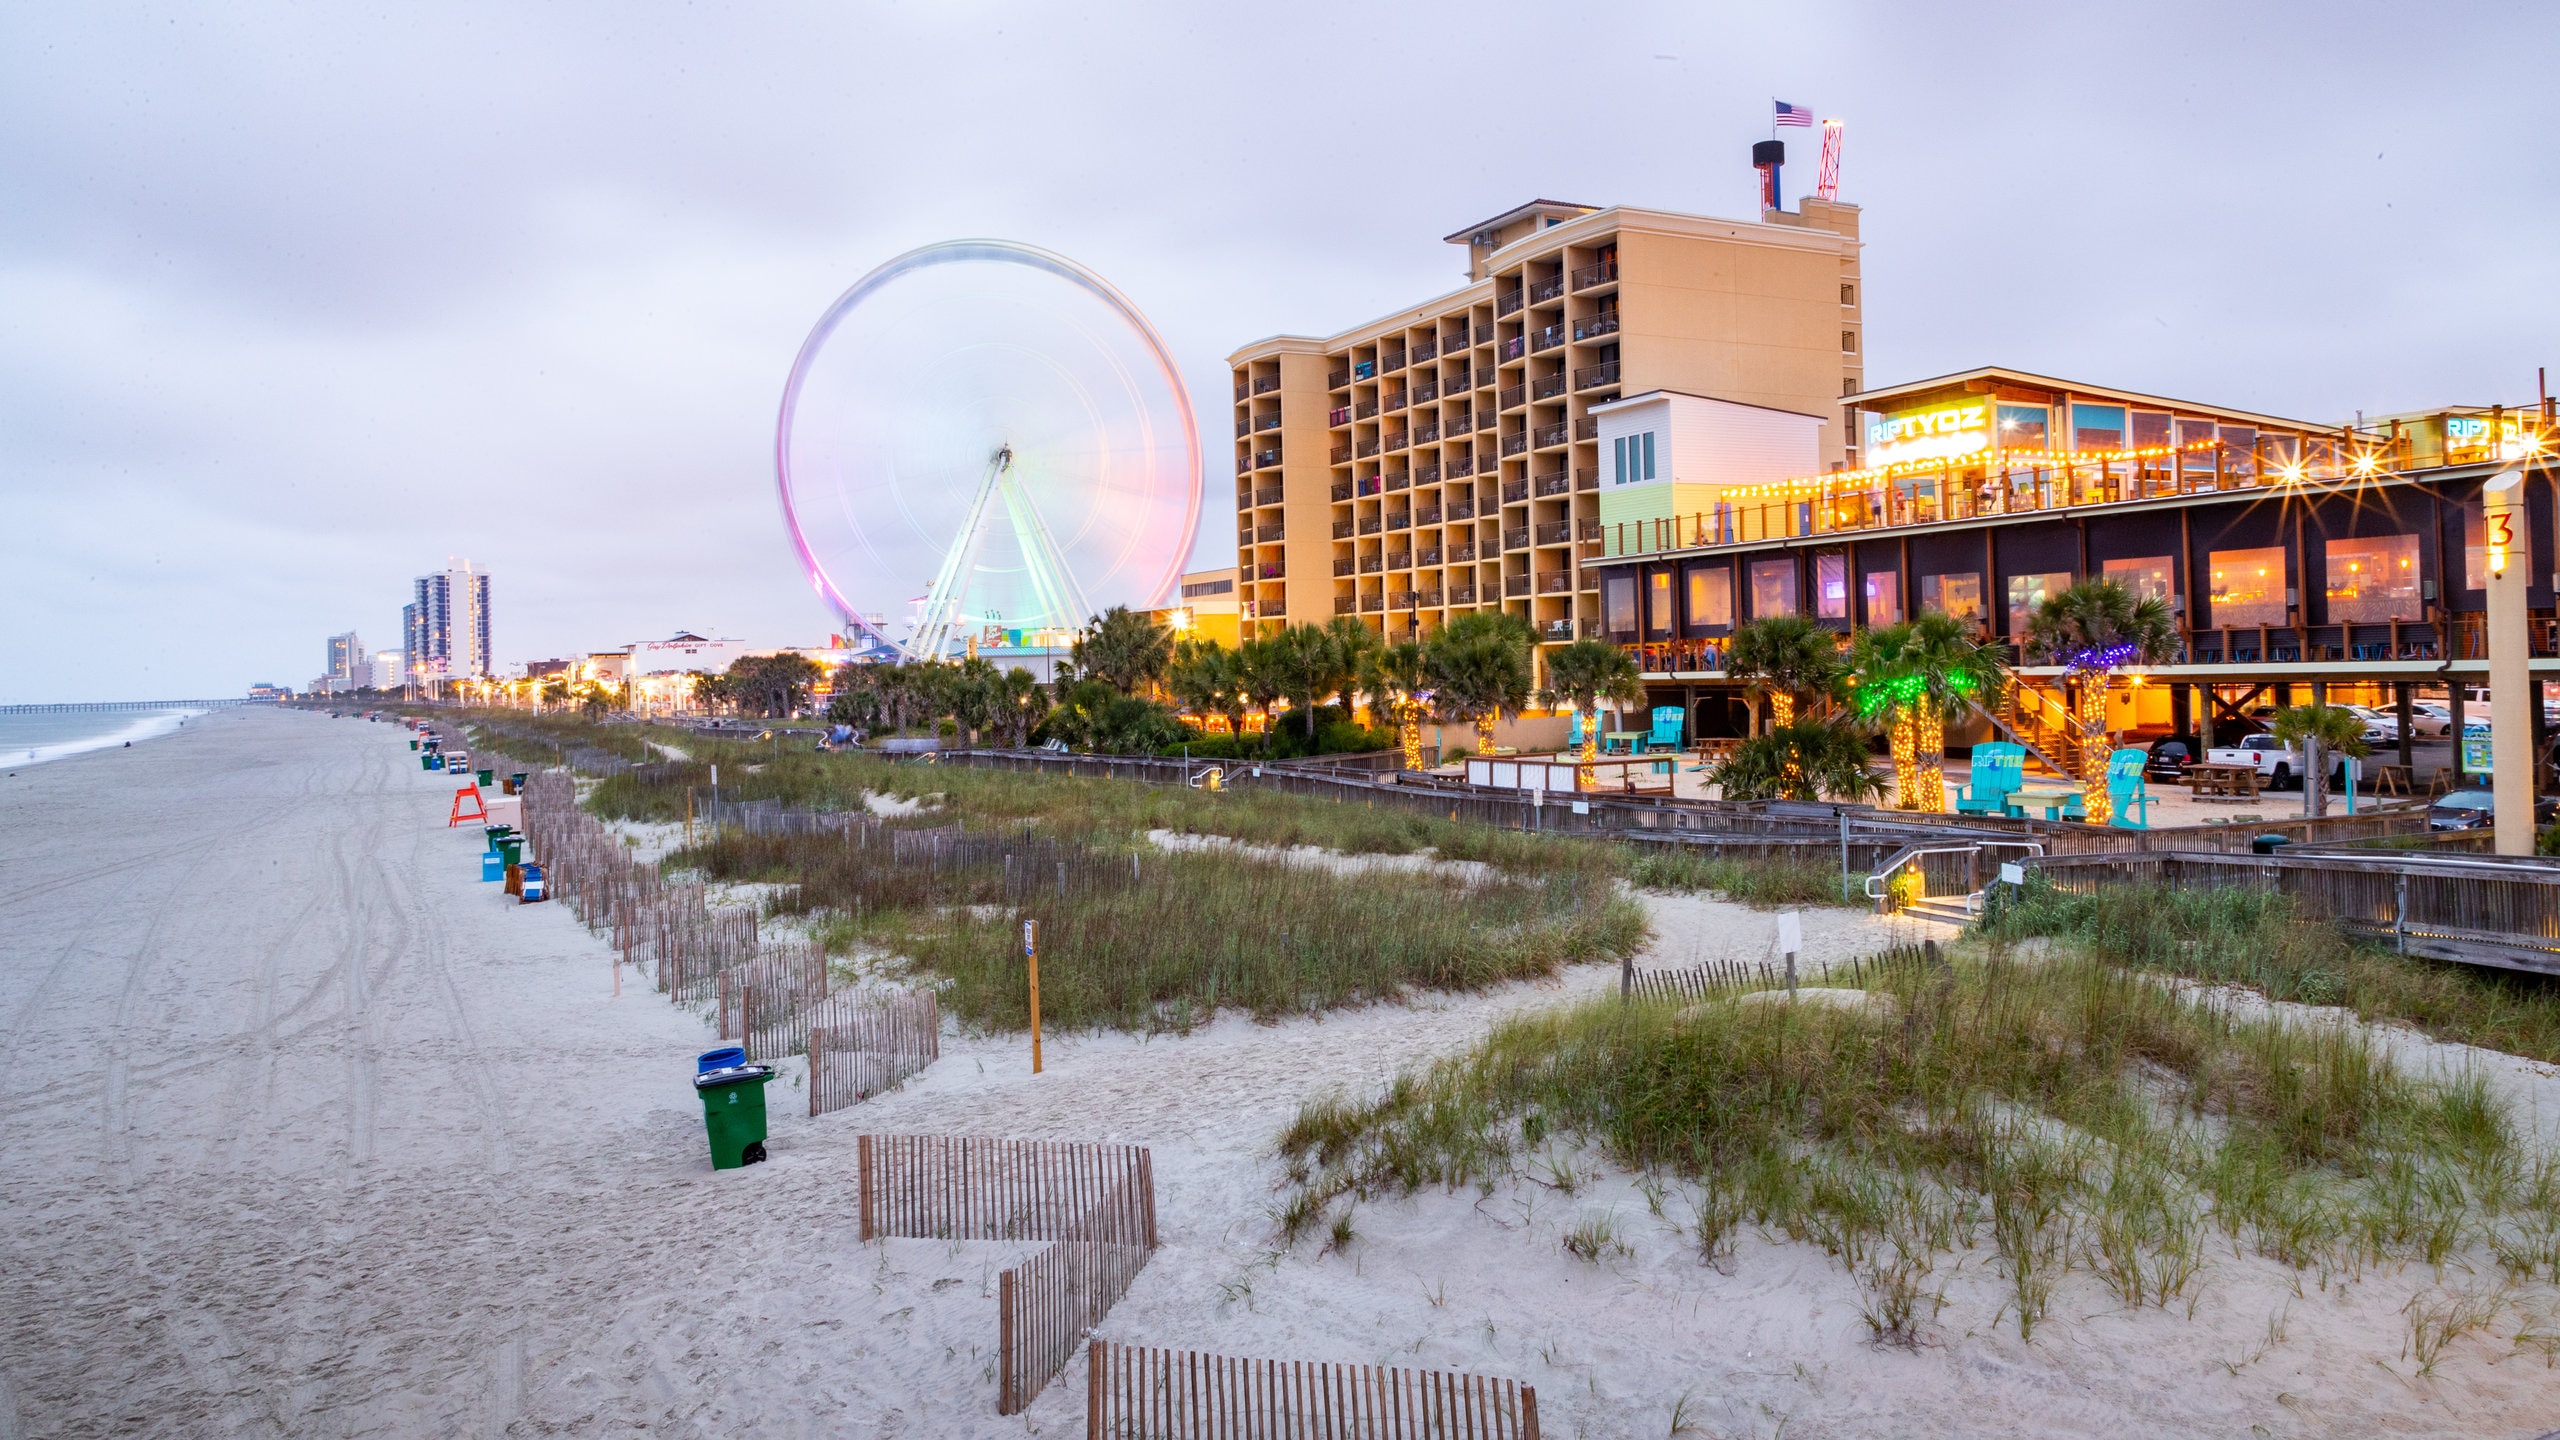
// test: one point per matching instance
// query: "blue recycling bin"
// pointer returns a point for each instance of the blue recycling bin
(493, 866)
(727, 1057)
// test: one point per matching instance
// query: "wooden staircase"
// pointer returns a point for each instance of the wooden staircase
(2040, 723)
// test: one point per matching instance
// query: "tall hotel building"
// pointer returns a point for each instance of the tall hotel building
(447, 625)
(1446, 458)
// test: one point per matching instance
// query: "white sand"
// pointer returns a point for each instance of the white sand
(313, 1134)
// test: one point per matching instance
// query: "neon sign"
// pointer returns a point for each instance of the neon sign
(1948, 430)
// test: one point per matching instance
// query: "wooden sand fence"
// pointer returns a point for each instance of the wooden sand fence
(1133, 1391)
(1095, 1203)
(1719, 978)
(865, 1042)
(668, 930)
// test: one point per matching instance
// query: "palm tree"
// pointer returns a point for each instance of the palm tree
(1784, 659)
(1258, 677)
(1907, 677)
(2318, 730)
(1022, 703)
(1479, 668)
(1807, 760)
(1203, 680)
(1582, 675)
(1396, 677)
(1353, 644)
(1123, 649)
(974, 690)
(2089, 630)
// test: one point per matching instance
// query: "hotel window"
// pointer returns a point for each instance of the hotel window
(1831, 587)
(2026, 592)
(2246, 587)
(2374, 580)
(1618, 604)
(2150, 428)
(1657, 604)
(1884, 597)
(1848, 342)
(2024, 427)
(1711, 597)
(1958, 597)
(2097, 427)
(1848, 294)
(1631, 459)
(1773, 588)
(2151, 578)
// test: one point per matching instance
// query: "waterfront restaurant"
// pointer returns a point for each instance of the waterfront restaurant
(2345, 559)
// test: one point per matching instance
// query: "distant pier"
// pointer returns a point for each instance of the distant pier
(84, 706)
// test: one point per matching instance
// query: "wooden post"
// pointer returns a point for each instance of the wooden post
(1031, 957)
(862, 1182)
(1004, 1344)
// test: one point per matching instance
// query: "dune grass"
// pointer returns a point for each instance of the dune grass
(2264, 941)
(2076, 1116)
(1171, 939)
(1123, 808)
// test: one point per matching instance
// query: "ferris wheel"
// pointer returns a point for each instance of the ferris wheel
(989, 436)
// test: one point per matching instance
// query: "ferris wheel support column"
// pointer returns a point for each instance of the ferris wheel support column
(942, 602)
(1051, 580)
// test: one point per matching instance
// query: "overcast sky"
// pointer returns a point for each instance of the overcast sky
(297, 302)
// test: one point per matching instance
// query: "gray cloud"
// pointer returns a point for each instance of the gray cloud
(300, 301)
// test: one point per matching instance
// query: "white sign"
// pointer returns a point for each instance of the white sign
(2013, 874)
(1790, 932)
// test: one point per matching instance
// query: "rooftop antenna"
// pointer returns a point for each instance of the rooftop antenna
(1826, 185)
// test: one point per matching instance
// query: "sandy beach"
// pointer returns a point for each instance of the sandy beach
(313, 1134)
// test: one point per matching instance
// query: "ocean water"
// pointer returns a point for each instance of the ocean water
(53, 734)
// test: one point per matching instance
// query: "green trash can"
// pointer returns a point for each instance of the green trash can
(427, 761)
(733, 1113)
(413, 744)
(487, 778)
(512, 847)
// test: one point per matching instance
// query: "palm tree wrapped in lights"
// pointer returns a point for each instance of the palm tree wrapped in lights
(2091, 630)
(1479, 669)
(1582, 675)
(1907, 677)
(1397, 679)
(1784, 659)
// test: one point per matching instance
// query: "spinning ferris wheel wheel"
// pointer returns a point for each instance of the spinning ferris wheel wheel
(992, 435)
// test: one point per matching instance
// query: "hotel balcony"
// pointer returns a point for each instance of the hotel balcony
(1425, 390)
(1400, 520)
(1547, 289)
(1269, 495)
(1372, 602)
(1267, 534)
(1266, 384)
(1342, 488)
(1551, 483)
(1335, 381)
(1591, 327)
(1341, 529)
(1365, 410)
(1343, 565)
(1515, 444)
(1428, 558)
(1555, 582)
(1516, 538)
(1266, 422)
(1547, 387)
(1461, 553)
(1546, 337)
(1400, 560)
(1371, 525)
(1548, 436)
(1342, 454)
(1603, 273)
(1506, 303)
(1514, 491)
(1462, 466)
(1426, 349)
(1372, 564)
(1592, 377)
(1345, 604)
(1464, 509)
(1558, 532)
(1399, 481)
(1515, 585)
(1462, 594)
(1511, 397)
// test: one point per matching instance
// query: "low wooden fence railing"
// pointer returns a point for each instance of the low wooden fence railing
(1096, 1203)
(862, 1044)
(2477, 909)
(1136, 1391)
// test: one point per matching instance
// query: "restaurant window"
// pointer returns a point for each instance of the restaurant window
(2150, 578)
(2475, 549)
(2026, 592)
(2246, 587)
(2025, 427)
(1631, 458)
(2195, 432)
(1657, 604)
(1958, 597)
(2373, 580)
(1773, 588)
(1831, 587)
(2097, 427)
(1884, 597)
(2240, 441)
(1711, 596)
(1618, 604)
(2150, 428)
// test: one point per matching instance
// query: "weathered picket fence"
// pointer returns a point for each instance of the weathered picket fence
(865, 1042)
(1138, 1391)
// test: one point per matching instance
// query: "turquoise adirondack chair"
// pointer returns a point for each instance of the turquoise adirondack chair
(2126, 789)
(1999, 768)
(1668, 728)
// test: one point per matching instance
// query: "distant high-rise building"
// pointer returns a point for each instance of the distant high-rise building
(447, 626)
(387, 669)
(347, 659)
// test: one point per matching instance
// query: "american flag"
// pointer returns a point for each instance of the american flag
(1794, 115)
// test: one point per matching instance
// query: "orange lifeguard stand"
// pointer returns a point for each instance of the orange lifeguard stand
(479, 807)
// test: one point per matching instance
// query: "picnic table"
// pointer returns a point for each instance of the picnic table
(2051, 799)
(2239, 782)
(1621, 742)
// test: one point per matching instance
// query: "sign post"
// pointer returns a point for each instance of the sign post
(2511, 688)
(1790, 940)
(1031, 957)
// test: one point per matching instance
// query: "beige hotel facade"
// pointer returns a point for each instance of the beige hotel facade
(1446, 458)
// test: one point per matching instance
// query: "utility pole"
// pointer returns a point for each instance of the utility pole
(2512, 697)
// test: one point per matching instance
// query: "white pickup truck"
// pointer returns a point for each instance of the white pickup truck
(2279, 767)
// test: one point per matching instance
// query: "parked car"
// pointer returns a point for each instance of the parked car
(2169, 759)
(2476, 809)
(2429, 719)
(2278, 766)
